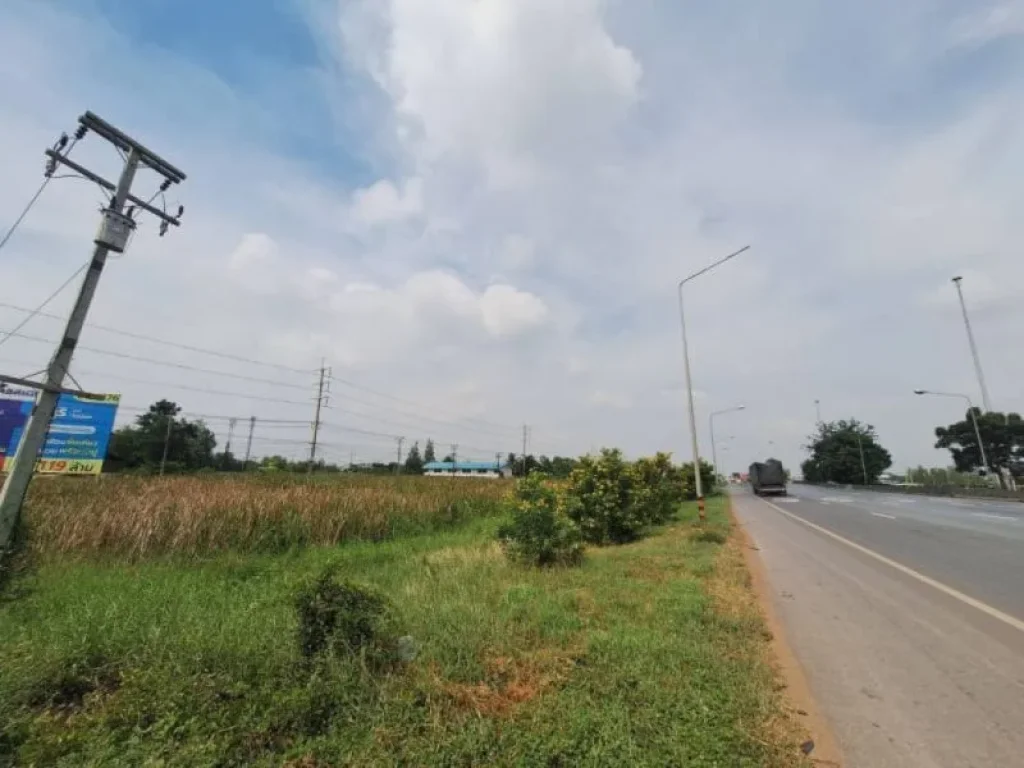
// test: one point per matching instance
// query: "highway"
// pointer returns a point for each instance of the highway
(907, 616)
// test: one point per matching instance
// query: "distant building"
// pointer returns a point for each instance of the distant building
(489, 469)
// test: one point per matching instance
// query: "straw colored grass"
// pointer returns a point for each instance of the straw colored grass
(136, 517)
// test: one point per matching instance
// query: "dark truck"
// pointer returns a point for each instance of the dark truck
(768, 477)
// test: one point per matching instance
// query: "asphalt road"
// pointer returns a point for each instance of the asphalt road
(907, 615)
(976, 547)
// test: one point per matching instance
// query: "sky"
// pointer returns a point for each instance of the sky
(476, 212)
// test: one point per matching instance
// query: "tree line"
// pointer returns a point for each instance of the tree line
(163, 438)
(848, 451)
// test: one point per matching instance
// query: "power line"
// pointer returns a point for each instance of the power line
(418, 417)
(50, 168)
(34, 312)
(352, 384)
(203, 390)
(290, 423)
(154, 340)
(165, 363)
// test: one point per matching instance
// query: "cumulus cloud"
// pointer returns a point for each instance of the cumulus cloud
(383, 202)
(507, 311)
(506, 85)
(520, 184)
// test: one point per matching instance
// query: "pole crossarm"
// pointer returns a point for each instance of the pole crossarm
(29, 384)
(110, 187)
(126, 143)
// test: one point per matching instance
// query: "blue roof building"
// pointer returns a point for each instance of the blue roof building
(467, 468)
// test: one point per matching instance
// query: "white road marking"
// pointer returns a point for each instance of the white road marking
(788, 500)
(879, 514)
(837, 499)
(993, 517)
(995, 613)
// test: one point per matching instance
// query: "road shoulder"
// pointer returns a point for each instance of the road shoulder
(800, 700)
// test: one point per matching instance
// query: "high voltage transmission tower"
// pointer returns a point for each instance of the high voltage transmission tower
(116, 228)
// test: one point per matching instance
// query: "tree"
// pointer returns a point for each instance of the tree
(836, 454)
(1002, 434)
(708, 481)
(413, 461)
(189, 444)
(428, 452)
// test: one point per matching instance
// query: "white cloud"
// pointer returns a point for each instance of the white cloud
(520, 187)
(383, 202)
(997, 21)
(507, 85)
(507, 311)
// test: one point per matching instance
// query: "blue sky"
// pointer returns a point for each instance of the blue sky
(483, 208)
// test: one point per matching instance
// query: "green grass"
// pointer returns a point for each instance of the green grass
(648, 654)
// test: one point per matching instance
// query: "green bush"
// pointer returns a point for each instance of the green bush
(346, 620)
(539, 532)
(666, 487)
(607, 498)
(707, 479)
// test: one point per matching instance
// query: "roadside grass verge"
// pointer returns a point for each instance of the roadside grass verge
(651, 653)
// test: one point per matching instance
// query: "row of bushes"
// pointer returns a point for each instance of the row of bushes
(605, 500)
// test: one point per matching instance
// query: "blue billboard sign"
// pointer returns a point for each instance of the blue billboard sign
(79, 431)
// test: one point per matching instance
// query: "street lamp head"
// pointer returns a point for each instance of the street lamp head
(957, 279)
(920, 391)
(741, 407)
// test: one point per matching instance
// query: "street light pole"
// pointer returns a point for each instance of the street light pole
(698, 487)
(863, 464)
(817, 409)
(986, 403)
(974, 420)
(711, 429)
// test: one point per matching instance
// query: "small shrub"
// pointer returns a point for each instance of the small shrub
(607, 498)
(710, 536)
(539, 532)
(346, 620)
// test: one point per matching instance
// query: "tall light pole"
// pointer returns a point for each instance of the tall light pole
(863, 464)
(711, 428)
(985, 402)
(817, 409)
(974, 419)
(689, 382)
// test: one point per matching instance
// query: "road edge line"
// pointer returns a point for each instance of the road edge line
(985, 608)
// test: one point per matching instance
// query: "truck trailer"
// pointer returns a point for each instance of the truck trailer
(768, 478)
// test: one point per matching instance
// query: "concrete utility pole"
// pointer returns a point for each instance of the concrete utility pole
(167, 443)
(320, 397)
(115, 230)
(248, 443)
(227, 445)
(985, 402)
(455, 458)
(863, 464)
(398, 461)
(526, 431)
